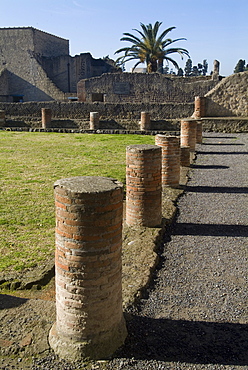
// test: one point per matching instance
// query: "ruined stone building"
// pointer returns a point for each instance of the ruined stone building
(36, 66)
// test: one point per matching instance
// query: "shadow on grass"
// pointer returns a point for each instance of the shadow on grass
(186, 341)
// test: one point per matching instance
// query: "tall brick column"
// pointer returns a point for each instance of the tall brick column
(143, 185)
(199, 132)
(94, 120)
(170, 159)
(2, 118)
(188, 133)
(46, 117)
(145, 121)
(199, 107)
(89, 321)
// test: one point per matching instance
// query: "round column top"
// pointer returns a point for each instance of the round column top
(141, 147)
(89, 184)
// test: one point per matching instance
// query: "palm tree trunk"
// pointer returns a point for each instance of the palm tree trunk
(161, 66)
(152, 66)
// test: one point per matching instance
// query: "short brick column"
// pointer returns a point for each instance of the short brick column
(89, 323)
(145, 121)
(143, 185)
(170, 159)
(188, 133)
(185, 156)
(46, 117)
(199, 132)
(94, 120)
(199, 107)
(2, 118)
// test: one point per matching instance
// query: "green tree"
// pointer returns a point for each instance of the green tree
(180, 72)
(205, 67)
(240, 66)
(188, 67)
(150, 48)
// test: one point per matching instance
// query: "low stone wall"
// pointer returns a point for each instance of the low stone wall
(77, 110)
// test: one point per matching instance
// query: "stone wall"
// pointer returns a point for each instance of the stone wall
(26, 77)
(229, 97)
(4, 85)
(143, 87)
(40, 67)
(79, 110)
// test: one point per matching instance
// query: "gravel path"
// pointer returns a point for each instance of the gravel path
(195, 315)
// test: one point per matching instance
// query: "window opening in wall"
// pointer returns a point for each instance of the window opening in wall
(97, 97)
(17, 98)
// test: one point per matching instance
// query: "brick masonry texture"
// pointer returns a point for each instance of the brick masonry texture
(170, 159)
(89, 213)
(188, 133)
(143, 185)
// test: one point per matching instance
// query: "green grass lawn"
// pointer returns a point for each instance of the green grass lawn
(30, 164)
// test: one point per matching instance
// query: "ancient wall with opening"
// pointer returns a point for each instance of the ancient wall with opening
(144, 87)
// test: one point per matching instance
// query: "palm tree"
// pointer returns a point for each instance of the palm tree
(150, 48)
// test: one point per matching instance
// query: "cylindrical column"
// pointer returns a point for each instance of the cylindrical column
(145, 121)
(2, 118)
(46, 117)
(89, 322)
(143, 185)
(170, 159)
(188, 133)
(199, 107)
(199, 132)
(94, 120)
(185, 156)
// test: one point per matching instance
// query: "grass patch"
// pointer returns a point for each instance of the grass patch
(30, 164)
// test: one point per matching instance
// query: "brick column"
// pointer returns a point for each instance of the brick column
(2, 118)
(46, 117)
(185, 156)
(199, 132)
(170, 159)
(94, 120)
(143, 185)
(89, 322)
(199, 107)
(188, 133)
(145, 121)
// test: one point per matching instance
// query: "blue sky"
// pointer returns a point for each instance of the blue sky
(214, 29)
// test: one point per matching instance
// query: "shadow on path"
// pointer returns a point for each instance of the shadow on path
(221, 153)
(214, 167)
(210, 229)
(220, 137)
(186, 341)
(219, 144)
(217, 189)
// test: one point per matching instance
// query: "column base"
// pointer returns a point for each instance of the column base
(100, 346)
